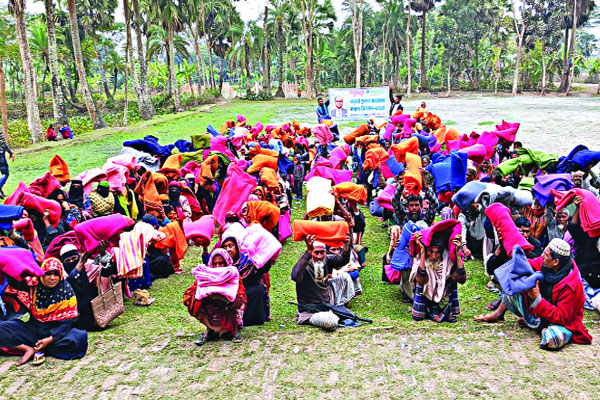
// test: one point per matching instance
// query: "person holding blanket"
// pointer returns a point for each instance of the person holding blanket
(215, 297)
(554, 307)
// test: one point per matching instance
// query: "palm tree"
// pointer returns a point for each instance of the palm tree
(97, 16)
(58, 97)
(17, 9)
(357, 35)
(423, 6)
(147, 108)
(38, 42)
(96, 118)
(114, 64)
(171, 16)
(279, 9)
(186, 71)
(5, 26)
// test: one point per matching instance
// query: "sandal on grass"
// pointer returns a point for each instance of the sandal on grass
(38, 358)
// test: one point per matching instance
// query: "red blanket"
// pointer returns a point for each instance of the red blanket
(500, 217)
(45, 185)
(332, 233)
(589, 209)
(18, 263)
(32, 202)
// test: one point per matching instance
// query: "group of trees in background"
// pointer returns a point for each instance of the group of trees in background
(77, 54)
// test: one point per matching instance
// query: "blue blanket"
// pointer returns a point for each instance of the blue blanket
(184, 146)
(211, 129)
(394, 166)
(516, 275)
(8, 214)
(285, 164)
(580, 158)
(450, 173)
(401, 259)
(467, 194)
(544, 183)
(149, 144)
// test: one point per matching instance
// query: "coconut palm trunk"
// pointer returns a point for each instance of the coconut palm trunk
(146, 107)
(17, 8)
(58, 97)
(109, 96)
(172, 75)
(3, 107)
(96, 118)
(408, 52)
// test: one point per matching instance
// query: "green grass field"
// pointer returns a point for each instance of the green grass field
(150, 352)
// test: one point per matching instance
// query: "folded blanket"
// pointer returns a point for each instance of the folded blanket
(489, 140)
(319, 200)
(331, 233)
(149, 144)
(468, 140)
(268, 178)
(413, 178)
(391, 168)
(117, 176)
(260, 245)
(451, 173)
(336, 175)
(505, 195)
(58, 242)
(234, 193)
(516, 275)
(359, 131)
(384, 198)
(18, 263)
(499, 216)
(526, 183)
(285, 165)
(579, 159)
(374, 157)
(132, 249)
(171, 166)
(59, 169)
(589, 209)
(25, 226)
(201, 230)
(8, 214)
(260, 161)
(223, 281)
(401, 259)
(338, 156)
(351, 191)
(476, 153)
(322, 134)
(389, 131)
(90, 176)
(30, 202)
(264, 213)
(468, 193)
(90, 233)
(199, 142)
(409, 146)
(174, 240)
(545, 183)
(445, 230)
(45, 185)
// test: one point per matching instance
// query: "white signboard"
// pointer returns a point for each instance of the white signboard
(362, 103)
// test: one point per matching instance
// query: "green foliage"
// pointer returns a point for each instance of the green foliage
(261, 96)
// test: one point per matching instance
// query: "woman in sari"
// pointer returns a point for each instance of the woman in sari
(50, 329)
(211, 306)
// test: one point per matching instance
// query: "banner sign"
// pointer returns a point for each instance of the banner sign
(362, 103)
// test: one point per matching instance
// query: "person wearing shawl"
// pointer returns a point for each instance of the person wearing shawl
(216, 311)
(50, 328)
(158, 259)
(311, 274)
(103, 201)
(80, 206)
(45, 231)
(256, 281)
(435, 277)
(179, 202)
(554, 307)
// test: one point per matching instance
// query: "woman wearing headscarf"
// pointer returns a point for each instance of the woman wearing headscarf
(50, 328)
(103, 202)
(256, 281)
(80, 206)
(215, 297)
(179, 203)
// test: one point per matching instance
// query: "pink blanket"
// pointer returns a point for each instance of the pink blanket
(322, 134)
(337, 176)
(90, 233)
(117, 176)
(389, 129)
(12, 199)
(476, 153)
(468, 140)
(201, 230)
(32, 202)
(234, 193)
(589, 209)
(385, 197)
(489, 140)
(25, 226)
(448, 229)
(261, 245)
(500, 217)
(18, 263)
(223, 281)
(90, 176)
(337, 156)
(55, 245)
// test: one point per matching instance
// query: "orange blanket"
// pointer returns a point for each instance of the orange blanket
(360, 131)
(368, 139)
(268, 177)
(332, 233)
(59, 169)
(432, 121)
(256, 150)
(208, 168)
(413, 179)
(351, 191)
(409, 146)
(264, 213)
(174, 240)
(451, 134)
(261, 161)
(171, 167)
(440, 134)
(374, 157)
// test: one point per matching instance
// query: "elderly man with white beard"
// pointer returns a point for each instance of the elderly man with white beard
(311, 274)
